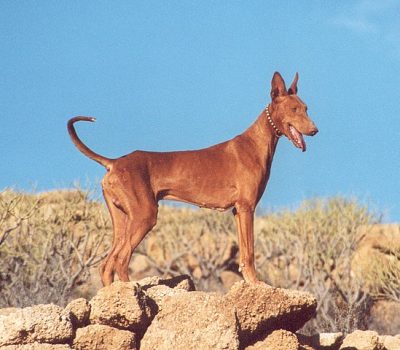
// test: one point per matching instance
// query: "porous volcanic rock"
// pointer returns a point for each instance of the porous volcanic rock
(390, 342)
(362, 340)
(183, 282)
(322, 341)
(190, 321)
(37, 346)
(329, 341)
(309, 347)
(122, 305)
(157, 288)
(80, 312)
(278, 340)
(261, 309)
(39, 323)
(101, 337)
(8, 310)
(122, 313)
(229, 278)
(159, 293)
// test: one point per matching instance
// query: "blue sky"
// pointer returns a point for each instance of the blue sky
(172, 75)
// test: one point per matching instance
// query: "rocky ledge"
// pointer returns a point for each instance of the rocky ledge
(164, 314)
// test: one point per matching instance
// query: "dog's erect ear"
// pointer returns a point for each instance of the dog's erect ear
(278, 87)
(293, 88)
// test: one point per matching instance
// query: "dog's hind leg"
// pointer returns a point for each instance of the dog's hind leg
(134, 214)
(141, 219)
(119, 221)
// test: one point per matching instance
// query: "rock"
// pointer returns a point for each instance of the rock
(179, 282)
(40, 323)
(36, 346)
(8, 310)
(194, 320)
(322, 341)
(80, 312)
(101, 337)
(307, 347)
(229, 278)
(376, 255)
(362, 340)
(277, 340)
(329, 341)
(183, 282)
(385, 317)
(158, 294)
(122, 305)
(140, 266)
(157, 288)
(149, 282)
(262, 309)
(390, 342)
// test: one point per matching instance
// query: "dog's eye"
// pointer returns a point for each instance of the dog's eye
(294, 110)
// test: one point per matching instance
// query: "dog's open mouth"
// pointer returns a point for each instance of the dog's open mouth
(297, 138)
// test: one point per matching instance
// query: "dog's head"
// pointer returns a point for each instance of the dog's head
(289, 112)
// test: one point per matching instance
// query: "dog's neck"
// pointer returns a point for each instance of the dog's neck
(278, 133)
(264, 136)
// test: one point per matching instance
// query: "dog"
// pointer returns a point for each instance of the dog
(229, 175)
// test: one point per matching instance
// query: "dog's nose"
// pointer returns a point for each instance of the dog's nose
(314, 131)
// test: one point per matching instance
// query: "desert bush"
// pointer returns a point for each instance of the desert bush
(48, 242)
(383, 275)
(312, 249)
(199, 243)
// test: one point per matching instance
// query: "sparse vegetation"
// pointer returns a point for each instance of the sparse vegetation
(312, 249)
(383, 275)
(49, 242)
(200, 243)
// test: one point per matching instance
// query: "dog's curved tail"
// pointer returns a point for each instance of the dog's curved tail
(106, 162)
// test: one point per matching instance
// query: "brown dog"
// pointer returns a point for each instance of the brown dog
(232, 174)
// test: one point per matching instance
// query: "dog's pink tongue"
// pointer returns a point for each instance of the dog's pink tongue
(297, 138)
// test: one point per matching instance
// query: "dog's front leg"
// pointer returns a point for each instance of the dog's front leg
(244, 222)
